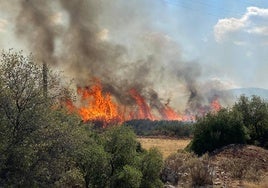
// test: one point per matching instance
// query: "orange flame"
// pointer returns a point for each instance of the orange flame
(169, 114)
(144, 111)
(215, 105)
(98, 106)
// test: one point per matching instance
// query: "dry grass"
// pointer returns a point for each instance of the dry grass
(165, 145)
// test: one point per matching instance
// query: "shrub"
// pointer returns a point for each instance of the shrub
(176, 168)
(129, 177)
(217, 130)
(242, 169)
(151, 166)
(201, 171)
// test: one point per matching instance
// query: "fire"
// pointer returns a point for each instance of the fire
(144, 111)
(215, 104)
(169, 114)
(95, 105)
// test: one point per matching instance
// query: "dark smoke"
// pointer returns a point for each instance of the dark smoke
(148, 61)
(35, 25)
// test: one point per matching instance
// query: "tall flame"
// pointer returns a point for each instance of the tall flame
(144, 111)
(215, 104)
(98, 106)
(168, 113)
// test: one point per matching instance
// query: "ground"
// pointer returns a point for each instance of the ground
(165, 145)
(234, 165)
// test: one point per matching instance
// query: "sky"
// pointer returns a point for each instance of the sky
(227, 39)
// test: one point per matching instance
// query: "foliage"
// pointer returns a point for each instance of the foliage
(129, 177)
(151, 166)
(42, 145)
(201, 171)
(186, 168)
(155, 128)
(216, 130)
(175, 167)
(93, 161)
(254, 112)
(35, 141)
(128, 160)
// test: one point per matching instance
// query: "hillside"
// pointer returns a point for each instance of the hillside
(235, 162)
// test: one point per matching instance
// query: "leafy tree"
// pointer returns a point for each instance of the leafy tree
(217, 130)
(121, 144)
(92, 160)
(35, 136)
(151, 166)
(254, 112)
(129, 177)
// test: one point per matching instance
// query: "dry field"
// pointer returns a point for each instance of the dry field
(165, 145)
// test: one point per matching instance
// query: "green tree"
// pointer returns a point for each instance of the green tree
(254, 112)
(121, 144)
(217, 130)
(92, 160)
(129, 177)
(151, 166)
(35, 135)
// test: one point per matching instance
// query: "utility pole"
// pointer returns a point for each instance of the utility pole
(45, 85)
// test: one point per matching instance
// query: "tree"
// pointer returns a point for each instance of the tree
(35, 135)
(254, 112)
(92, 160)
(217, 130)
(121, 144)
(151, 166)
(129, 177)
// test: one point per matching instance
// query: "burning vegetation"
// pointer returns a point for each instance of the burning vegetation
(96, 105)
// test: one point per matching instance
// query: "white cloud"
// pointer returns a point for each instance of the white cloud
(3, 25)
(262, 30)
(252, 23)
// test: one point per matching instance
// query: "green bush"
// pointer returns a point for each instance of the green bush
(217, 130)
(254, 113)
(151, 166)
(129, 177)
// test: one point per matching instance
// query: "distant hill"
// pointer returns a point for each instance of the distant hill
(230, 96)
(263, 93)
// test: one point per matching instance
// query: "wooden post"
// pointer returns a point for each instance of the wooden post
(45, 85)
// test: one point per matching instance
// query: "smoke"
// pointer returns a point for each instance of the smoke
(35, 26)
(115, 42)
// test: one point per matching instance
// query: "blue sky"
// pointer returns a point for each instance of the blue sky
(237, 55)
(227, 38)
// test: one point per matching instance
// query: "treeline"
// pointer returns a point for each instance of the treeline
(146, 127)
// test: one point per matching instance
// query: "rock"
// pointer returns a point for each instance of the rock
(217, 183)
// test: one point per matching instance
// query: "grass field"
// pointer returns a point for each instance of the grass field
(166, 145)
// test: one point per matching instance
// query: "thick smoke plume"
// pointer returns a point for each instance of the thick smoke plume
(114, 42)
